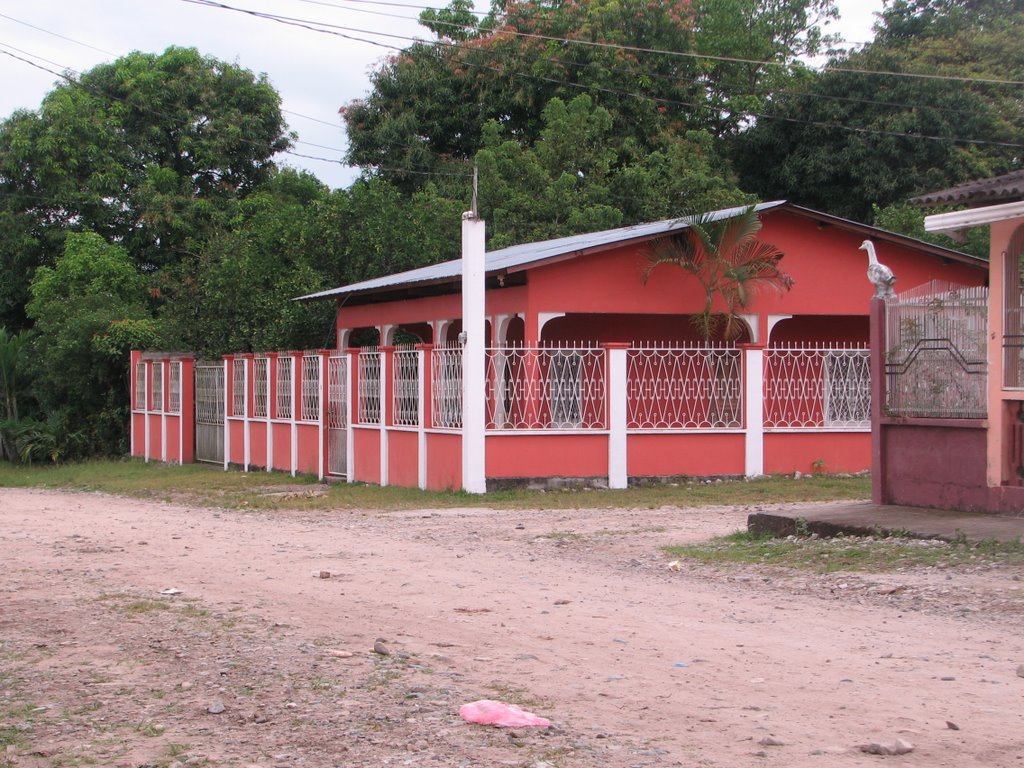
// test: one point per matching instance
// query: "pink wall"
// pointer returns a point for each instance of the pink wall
(444, 463)
(366, 447)
(258, 444)
(547, 455)
(786, 452)
(309, 448)
(403, 452)
(690, 454)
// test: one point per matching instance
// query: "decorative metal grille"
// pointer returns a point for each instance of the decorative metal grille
(337, 414)
(310, 388)
(546, 388)
(446, 387)
(684, 388)
(369, 387)
(284, 387)
(814, 387)
(405, 389)
(1013, 311)
(209, 412)
(936, 357)
(260, 386)
(238, 387)
(174, 389)
(140, 386)
(157, 392)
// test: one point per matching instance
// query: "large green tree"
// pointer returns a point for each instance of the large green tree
(636, 59)
(150, 151)
(90, 309)
(854, 137)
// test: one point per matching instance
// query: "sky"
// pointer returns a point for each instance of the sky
(315, 73)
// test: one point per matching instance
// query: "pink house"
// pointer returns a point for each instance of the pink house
(586, 370)
(957, 443)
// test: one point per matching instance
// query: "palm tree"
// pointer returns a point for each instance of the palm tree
(729, 262)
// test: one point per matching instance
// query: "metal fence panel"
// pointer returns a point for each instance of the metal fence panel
(446, 387)
(310, 395)
(369, 387)
(337, 415)
(405, 390)
(209, 412)
(684, 388)
(936, 356)
(817, 388)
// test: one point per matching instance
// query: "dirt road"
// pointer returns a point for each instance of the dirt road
(263, 656)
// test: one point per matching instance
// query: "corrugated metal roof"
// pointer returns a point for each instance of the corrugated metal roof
(517, 256)
(1009, 186)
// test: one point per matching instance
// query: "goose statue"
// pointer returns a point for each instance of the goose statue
(879, 274)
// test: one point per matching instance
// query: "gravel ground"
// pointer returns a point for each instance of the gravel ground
(148, 634)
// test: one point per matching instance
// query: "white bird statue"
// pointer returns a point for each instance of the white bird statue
(879, 274)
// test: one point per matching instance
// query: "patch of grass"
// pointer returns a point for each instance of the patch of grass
(150, 729)
(846, 553)
(208, 485)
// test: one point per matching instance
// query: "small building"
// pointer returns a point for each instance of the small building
(594, 369)
(952, 432)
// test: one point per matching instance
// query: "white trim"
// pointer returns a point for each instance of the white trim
(322, 416)
(618, 406)
(817, 430)
(227, 410)
(385, 448)
(753, 326)
(421, 438)
(474, 356)
(973, 217)
(543, 318)
(774, 320)
(753, 451)
(246, 428)
(295, 410)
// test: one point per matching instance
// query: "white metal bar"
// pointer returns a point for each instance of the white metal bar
(618, 408)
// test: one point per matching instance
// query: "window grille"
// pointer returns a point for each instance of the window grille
(238, 387)
(546, 388)
(813, 388)
(284, 387)
(369, 387)
(174, 389)
(310, 388)
(158, 387)
(684, 388)
(406, 388)
(260, 386)
(140, 386)
(446, 387)
(337, 392)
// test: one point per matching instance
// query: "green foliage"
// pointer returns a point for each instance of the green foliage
(909, 220)
(89, 310)
(800, 150)
(728, 261)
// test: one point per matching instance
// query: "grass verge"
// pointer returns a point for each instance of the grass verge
(208, 485)
(849, 553)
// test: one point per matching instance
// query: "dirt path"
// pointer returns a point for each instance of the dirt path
(573, 615)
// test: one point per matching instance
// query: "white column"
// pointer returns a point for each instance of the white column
(382, 394)
(147, 369)
(227, 410)
(165, 377)
(271, 410)
(474, 368)
(351, 364)
(296, 405)
(618, 474)
(321, 415)
(421, 437)
(753, 385)
(246, 429)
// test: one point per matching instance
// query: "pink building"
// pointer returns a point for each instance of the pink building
(588, 371)
(952, 434)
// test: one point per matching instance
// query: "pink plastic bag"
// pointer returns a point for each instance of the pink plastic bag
(487, 712)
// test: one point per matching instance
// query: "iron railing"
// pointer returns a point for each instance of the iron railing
(811, 387)
(676, 388)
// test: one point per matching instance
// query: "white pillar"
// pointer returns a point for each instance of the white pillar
(421, 435)
(321, 416)
(296, 405)
(146, 374)
(754, 398)
(618, 475)
(227, 409)
(247, 428)
(382, 423)
(474, 369)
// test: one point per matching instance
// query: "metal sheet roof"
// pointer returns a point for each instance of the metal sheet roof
(1009, 186)
(516, 256)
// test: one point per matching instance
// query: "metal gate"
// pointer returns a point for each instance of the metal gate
(210, 412)
(337, 416)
